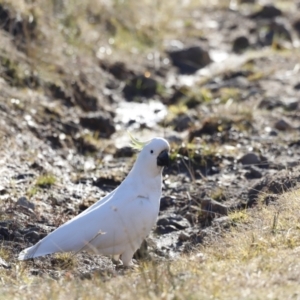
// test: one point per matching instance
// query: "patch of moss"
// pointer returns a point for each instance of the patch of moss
(45, 181)
(239, 216)
(218, 195)
(11, 71)
(191, 98)
(227, 93)
(32, 191)
(256, 76)
(5, 253)
(64, 260)
(178, 109)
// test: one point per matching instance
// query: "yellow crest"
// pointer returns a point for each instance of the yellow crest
(136, 144)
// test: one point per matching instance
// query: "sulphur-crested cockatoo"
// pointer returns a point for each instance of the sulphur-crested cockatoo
(117, 224)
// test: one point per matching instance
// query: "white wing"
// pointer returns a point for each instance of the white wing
(99, 203)
(108, 226)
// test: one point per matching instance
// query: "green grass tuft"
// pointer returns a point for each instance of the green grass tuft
(45, 181)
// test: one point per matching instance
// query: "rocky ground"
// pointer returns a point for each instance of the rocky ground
(226, 96)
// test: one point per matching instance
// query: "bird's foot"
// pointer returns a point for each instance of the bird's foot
(132, 265)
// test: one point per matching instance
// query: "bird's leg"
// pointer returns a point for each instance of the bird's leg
(126, 258)
(116, 259)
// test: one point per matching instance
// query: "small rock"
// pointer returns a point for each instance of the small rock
(59, 93)
(183, 236)
(172, 223)
(86, 203)
(85, 276)
(105, 182)
(211, 208)
(140, 86)
(282, 125)
(189, 60)
(272, 132)
(86, 101)
(197, 237)
(166, 202)
(240, 44)
(15, 24)
(85, 145)
(249, 159)
(297, 86)
(182, 122)
(296, 26)
(253, 173)
(164, 229)
(55, 200)
(281, 28)
(124, 152)
(5, 234)
(30, 229)
(270, 198)
(270, 103)
(17, 237)
(295, 143)
(5, 223)
(22, 201)
(3, 190)
(119, 70)
(99, 121)
(32, 236)
(191, 217)
(23, 176)
(54, 141)
(178, 221)
(276, 31)
(142, 252)
(267, 12)
(36, 272)
(69, 210)
(291, 104)
(223, 222)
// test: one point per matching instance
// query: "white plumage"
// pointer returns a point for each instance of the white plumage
(117, 224)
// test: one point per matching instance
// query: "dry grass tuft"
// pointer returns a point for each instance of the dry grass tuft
(258, 258)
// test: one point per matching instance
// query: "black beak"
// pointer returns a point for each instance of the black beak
(163, 159)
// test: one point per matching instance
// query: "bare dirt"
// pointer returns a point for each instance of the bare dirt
(227, 100)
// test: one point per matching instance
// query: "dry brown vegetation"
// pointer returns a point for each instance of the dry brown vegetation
(256, 259)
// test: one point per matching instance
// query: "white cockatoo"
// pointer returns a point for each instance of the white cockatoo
(117, 224)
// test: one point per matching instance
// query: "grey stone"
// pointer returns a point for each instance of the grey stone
(211, 208)
(240, 44)
(101, 122)
(22, 201)
(253, 173)
(183, 236)
(282, 125)
(249, 159)
(189, 60)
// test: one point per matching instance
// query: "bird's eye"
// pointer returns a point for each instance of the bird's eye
(151, 151)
